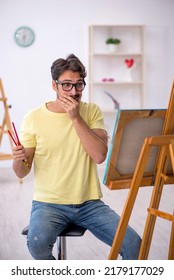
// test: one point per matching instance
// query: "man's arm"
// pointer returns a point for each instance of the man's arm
(94, 141)
(22, 155)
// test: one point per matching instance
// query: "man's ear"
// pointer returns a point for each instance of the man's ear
(54, 85)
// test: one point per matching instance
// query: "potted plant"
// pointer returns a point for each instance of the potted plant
(112, 43)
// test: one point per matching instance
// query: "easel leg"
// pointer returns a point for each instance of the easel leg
(154, 203)
(171, 151)
(171, 246)
(136, 182)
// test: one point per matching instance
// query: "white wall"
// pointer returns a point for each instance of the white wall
(61, 27)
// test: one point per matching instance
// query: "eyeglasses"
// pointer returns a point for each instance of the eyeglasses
(66, 86)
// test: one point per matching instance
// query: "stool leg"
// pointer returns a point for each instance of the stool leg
(61, 248)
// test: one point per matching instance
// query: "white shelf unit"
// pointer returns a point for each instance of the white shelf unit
(111, 65)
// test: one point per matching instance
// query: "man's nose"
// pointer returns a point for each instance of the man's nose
(73, 90)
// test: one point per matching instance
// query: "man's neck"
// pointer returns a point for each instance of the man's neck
(55, 107)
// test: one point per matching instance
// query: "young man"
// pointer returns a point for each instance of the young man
(65, 138)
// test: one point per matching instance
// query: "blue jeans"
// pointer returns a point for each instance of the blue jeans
(48, 220)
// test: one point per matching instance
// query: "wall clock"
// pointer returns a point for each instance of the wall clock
(24, 36)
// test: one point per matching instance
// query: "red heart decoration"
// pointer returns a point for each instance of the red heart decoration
(129, 62)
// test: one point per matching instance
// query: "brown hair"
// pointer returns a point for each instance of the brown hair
(71, 63)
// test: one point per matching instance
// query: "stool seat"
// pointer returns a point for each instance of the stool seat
(70, 230)
(73, 230)
(25, 230)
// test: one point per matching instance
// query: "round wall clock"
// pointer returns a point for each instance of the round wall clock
(24, 36)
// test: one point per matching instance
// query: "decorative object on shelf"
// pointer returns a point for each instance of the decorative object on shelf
(108, 80)
(116, 104)
(24, 36)
(130, 64)
(112, 44)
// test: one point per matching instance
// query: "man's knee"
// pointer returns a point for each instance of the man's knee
(39, 246)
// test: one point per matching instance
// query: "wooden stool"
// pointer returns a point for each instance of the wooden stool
(71, 230)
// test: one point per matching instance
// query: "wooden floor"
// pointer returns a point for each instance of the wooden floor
(15, 203)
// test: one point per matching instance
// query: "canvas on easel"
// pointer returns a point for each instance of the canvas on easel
(132, 166)
(131, 128)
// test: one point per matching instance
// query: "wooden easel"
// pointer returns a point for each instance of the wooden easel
(6, 123)
(165, 143)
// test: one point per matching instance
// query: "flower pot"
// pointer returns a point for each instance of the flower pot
(112, 47)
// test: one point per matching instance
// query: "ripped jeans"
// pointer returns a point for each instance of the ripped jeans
(48, 220)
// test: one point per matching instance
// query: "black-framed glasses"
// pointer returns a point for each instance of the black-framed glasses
(67, 86)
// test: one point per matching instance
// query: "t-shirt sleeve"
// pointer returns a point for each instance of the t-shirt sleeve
(27, 134)
(96, 118)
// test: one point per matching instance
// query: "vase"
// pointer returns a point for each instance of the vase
(128, 76)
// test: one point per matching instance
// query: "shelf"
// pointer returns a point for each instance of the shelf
(127, 87)
(120, 83)
(116, 54)
(118, 26)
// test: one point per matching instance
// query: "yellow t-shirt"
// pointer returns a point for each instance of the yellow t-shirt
(64, 172)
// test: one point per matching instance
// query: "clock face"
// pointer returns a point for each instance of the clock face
(24, 36)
